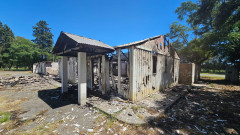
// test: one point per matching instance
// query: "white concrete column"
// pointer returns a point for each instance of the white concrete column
(64, 74)
(133, 74)
(82, 78)
(119, 70)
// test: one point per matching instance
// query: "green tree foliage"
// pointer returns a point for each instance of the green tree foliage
(22, 53)
(215, 24)
(194, 51)
(179, 35)
(16, 52)
(27, 53)
(214, 64)
(6, 39)
(43, 39)
(218, 23)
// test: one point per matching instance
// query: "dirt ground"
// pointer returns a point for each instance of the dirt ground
(210, 107)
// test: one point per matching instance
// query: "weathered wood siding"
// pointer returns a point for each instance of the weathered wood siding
(147, 82)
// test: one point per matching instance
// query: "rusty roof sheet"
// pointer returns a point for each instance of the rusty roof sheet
(87, 41)
(136, 43)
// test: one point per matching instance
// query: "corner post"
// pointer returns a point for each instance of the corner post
(133, 74)
(82, 78)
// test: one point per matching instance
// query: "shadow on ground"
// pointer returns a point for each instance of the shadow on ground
(55, 99)
(221, 82)
(210, 111)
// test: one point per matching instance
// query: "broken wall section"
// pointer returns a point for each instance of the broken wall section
(72, 69)
(153, 66)
(155, 70)
(45, 68)
(186, 73)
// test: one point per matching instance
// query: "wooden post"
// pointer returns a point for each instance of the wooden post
(89, 74)
(99, 74)
(107, 75)
(119, 70)
(103, 74)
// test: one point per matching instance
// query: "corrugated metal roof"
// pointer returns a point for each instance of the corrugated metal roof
(136, 43)
(88, 41)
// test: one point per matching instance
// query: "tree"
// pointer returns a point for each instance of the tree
(43, 38)
(6, 39)
(22, 53)
(194, 51)
(218, 23)
(27, 53)
(179, 35)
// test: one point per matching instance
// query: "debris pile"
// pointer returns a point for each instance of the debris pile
(203, 111)
(33, 79)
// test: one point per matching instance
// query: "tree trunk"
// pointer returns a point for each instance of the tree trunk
(197, 72)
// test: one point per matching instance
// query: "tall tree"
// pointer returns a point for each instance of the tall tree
(22, 53)
(6, 39)
(179, 35)
(194, 51)
(43, 38)
(218, 23)
(27, 53)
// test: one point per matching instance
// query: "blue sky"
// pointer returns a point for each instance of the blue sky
(114, 22)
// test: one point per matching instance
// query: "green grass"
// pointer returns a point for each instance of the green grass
(14, 69)
(4, 117)
(212, 77)
(211, 74)
(212, 85)
(213, 71)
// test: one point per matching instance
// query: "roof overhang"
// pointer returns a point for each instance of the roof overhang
(70, 44)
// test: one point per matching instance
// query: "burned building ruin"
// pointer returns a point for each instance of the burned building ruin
(133, 70)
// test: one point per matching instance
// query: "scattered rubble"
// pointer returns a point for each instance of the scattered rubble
(140, 112)
(11, 81)
(204, 110)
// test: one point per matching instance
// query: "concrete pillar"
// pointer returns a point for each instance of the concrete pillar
(82, 78)
(119, 70)
(64, 74)
(133, 74)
